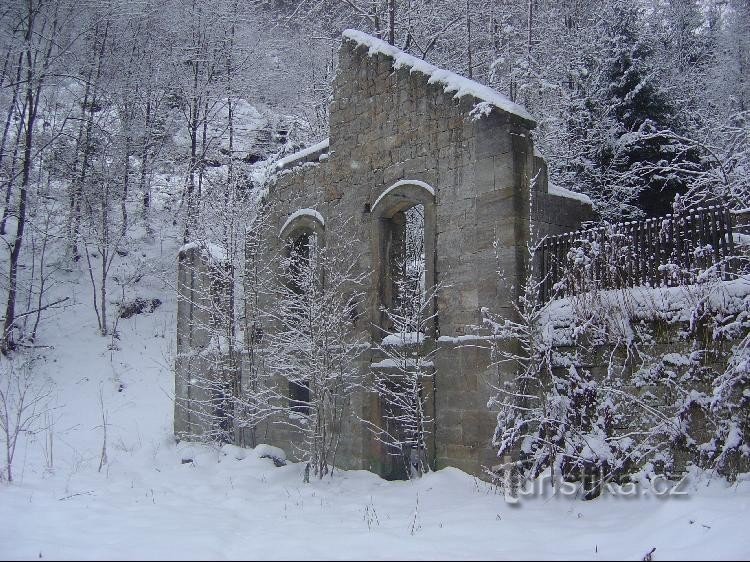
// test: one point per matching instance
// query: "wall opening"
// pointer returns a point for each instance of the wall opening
(301, 273)
(407, 266)
(403, 318)
(404, 257)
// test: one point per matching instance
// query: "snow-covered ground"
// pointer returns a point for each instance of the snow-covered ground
(148, 503)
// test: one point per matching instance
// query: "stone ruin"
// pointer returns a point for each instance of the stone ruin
(403, 133)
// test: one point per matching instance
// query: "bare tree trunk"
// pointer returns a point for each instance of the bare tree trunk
(375, 19)
(11, 106)
(33, 90)
(74, 191)
(105, 252)
(7, 343)
(126, 179)
(204, 149)
(128, 102)
(144, 188)
(42, 278)
(12, 175)
(103, 293)
(392, 22)
(86, 147)
(6, 63)
(193, 164)
(469, 63)
(528, 50)
(6, 129)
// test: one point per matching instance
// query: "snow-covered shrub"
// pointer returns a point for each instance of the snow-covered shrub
(610, 382)
(24, 402)
(729, 445)
(557, 413)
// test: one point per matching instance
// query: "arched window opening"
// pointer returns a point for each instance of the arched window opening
(404, 321)
(406, 260)
(299, 397)
(300, 266)
(302, 279)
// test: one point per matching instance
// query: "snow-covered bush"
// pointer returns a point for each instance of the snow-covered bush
(556, 412)
(612, 382)
(24, 401)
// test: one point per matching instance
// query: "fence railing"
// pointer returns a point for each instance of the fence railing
(666, 251)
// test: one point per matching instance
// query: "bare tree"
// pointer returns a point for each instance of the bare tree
(312, 347)
(403, 379)
(40, 27)
(24, 402)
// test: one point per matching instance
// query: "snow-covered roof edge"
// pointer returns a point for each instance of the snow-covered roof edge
(303, 154)
(450, 81)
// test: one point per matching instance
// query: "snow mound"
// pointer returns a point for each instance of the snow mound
(277, 455)
(237, 453)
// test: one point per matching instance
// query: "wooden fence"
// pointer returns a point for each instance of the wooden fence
(665, 251)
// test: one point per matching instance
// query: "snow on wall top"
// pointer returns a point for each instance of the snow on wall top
(450, 81)
(402, 339)
(673, 303)
(302, 154)
(303, 213)
(553, 189)
(214, 251)
(406, 363)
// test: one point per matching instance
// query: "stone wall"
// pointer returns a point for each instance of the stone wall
(396, 140)
(670, 367)
(203, 370)
(554, 214)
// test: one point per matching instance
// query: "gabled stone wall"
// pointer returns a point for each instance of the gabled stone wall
(395, 138)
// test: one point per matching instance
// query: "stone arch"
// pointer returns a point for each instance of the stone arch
(388, 211)
(402, 195)
(303, 220)
(301, 230)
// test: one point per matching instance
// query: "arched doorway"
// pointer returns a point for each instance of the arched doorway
(404, 320)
